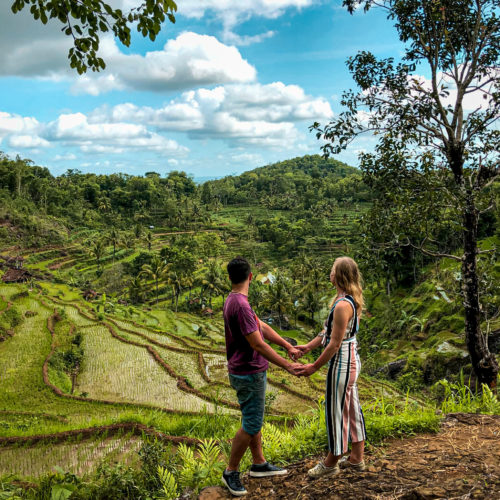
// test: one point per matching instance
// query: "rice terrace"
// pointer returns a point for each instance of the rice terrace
(183, 159)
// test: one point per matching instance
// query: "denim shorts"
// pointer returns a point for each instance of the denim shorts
(251, 392)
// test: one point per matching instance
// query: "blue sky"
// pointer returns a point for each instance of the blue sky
(231, 86)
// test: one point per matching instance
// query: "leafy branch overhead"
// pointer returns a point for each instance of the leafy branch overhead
(86, 20)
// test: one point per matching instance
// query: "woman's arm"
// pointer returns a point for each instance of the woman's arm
(342, 315)
(275, 338)
(315, 342)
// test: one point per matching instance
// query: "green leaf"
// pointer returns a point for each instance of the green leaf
(60, 492)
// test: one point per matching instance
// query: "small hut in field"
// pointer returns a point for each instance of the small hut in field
(14, 275)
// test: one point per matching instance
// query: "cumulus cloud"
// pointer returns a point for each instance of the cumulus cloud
(65, 157)
(30, 49)
(17, 124)
(75, 130)
(21, 131)
(189, 60)
(254, 114)
(108, 138)
(28, 142)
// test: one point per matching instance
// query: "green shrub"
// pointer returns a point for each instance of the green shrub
(459, 397)
(200, 470)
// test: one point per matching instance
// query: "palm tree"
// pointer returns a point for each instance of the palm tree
(114, 238)
(136, 289)
(137, 231)
(310, 302)
(175, 281)
(316, 275)
(156, 271)
(104, 204)
(213, 280)
(277, 297)
(129, 241)
(97, 250)
(302, 266)
(149, 240)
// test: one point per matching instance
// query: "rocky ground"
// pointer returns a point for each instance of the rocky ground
(462, 461)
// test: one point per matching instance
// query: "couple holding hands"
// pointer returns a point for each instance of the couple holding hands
(248, 358)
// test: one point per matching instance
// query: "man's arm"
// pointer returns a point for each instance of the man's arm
(275, 338)
(257, 343)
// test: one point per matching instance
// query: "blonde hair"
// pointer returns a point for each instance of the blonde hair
(347, 277)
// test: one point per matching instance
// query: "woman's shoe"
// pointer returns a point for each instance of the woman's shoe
(346, 464)
(320, 469)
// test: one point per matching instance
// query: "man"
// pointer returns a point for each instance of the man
(248, 355)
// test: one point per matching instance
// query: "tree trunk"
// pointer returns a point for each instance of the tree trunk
(483, 362)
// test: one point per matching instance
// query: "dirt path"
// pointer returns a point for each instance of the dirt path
(461, 462)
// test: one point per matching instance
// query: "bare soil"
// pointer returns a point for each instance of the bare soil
(461, 462)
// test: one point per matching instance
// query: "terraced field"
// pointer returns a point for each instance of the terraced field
(81, 458)
(150, 373)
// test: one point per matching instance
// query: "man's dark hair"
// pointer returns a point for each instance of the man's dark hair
(238, 270)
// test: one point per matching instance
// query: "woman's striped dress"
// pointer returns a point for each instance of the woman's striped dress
(344, 416)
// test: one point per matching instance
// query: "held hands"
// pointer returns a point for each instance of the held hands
(298, 351)
(306, 370)
(294, 353)
(294, 368)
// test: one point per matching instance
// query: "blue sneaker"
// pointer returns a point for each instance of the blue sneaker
(231, 478)
(266, 470)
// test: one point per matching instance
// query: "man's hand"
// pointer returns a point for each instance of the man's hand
(294, 353)
(302, 349)
(294, 368)
(306, 370)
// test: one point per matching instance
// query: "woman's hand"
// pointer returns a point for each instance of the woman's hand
(306, 370)
(294, 353)
(301, 350)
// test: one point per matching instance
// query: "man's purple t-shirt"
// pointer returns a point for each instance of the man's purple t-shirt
(239, 321)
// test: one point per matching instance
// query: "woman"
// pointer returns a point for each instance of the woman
(344, 417)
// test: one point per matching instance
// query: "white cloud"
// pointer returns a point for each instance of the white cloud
(21, 131)
(232, 13)
(108, 138)
(247, 158)
(30, 49)
(28, 141)
(189, 60)
(16, 124)
(75, 130)
(229, 9)
(246, 113)
(65, 157)
(242, 40)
